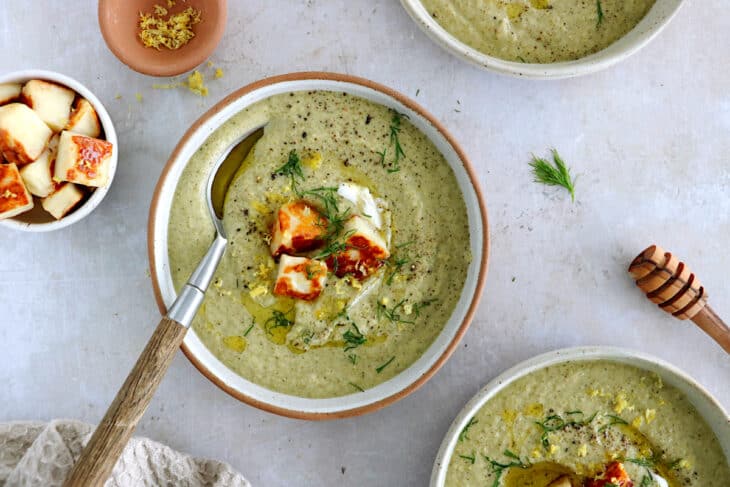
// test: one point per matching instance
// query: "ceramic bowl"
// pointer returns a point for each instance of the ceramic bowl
(434, 357)
(119, 24)
(707, 406)
(37, 219)
(655, 20)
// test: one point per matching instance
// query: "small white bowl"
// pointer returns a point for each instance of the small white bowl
(37, 220)
(707, 406)
(437, 353)
(655, 20)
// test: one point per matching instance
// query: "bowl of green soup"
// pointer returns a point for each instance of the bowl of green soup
(543, 39)
(357, 246)
(588, 417)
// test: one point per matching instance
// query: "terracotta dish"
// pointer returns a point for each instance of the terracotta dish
(409, 379)
(119, 23)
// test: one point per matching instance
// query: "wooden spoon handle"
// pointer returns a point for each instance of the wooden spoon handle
(713, 325)
(106, 444)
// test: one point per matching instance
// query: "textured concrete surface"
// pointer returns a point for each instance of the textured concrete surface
(648, 140)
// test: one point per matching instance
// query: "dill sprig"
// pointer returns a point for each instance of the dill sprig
(293, 169)
(393, 314)
(382, 367)
(555, 174)
(612, 420)
(335, 219)
(498, 468)
(555, 422)
(353, 358)
(248, 330)
(395, 129)
(464, 435)
(278, 320)
(353, 338)
(356, 386)
(470, 458)
(397, 261)
(599, 13)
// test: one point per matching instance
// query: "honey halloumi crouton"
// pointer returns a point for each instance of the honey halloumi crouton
(301, 278)
(83, 160)
(63, 200)
(50, 101)
(9, 92)
(14, 196)
(614, 475)
(37, 175)
(365, 250)
(23, 135)
(83, 119)
(299, 226)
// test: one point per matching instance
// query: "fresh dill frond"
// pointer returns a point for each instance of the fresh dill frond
(498, 468)
(599, 13)
(278, 319)
(555, 174)
(327, 196)
(395, 128)
(464, 434)
(248, 330)
(356, 386)
(293, 169)
(353, 338)
(382, 367)
(395, 263)
(555, 422)
(612, 420)
(393, 314)
(469, 458)
(353, 358)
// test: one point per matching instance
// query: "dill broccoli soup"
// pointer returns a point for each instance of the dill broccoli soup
(538, 31)
(588, 424)
(348, 245)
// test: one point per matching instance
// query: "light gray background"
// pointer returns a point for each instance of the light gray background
(648, 140)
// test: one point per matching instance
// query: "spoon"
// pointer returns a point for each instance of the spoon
(98, 458)
(119, 24)
(674, 287)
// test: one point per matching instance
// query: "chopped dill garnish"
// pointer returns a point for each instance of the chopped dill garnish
(335, 219)
(248, 330)
(599, 13)
(612, 420)
(292, 168)
(353, 338)
(395, 263)
(353, 358)
(555, 422)
(469, 458)
(395, 129)
(382, 367)
(356, 386)
(393, 314)
(419, 306)
(647, 480)
(464, 435)
(555, 174)
(521, 59)
(277, 320)
(498, 468)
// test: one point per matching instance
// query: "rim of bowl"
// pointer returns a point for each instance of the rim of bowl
(669, 373)
(473, 301)
(647, 29)
(110, 135)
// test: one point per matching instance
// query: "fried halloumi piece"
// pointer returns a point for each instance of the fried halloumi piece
(9, 92)
(52, 102)
(83, 160)
(365, 250)
(63, 200)
(301, 278)
(23, 135)
(614, 475)
(84, 120)
(299, 227)
(14, 196)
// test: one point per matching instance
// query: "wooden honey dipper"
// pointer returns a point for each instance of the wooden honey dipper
(672, 285)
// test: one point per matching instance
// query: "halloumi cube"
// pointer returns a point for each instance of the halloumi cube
(9, 92)
(37, 175)
(299, 227)
(14, 197)
(300, 278)
(52, 102)
(365, 250)
(614, 475)
(63, 200)
(83, 160)
(23, 135)
(83, 119)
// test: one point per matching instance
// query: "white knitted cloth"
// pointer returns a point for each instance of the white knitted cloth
(42, 454)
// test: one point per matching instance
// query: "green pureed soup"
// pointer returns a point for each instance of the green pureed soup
(538, 31)
(351, 168)
(579, 420)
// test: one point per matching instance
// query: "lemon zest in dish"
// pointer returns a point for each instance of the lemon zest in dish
(156, 31)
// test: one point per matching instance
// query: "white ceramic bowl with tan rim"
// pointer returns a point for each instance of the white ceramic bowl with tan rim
(655, 20)
(420, 371)
(707, 406)
(37, 219)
